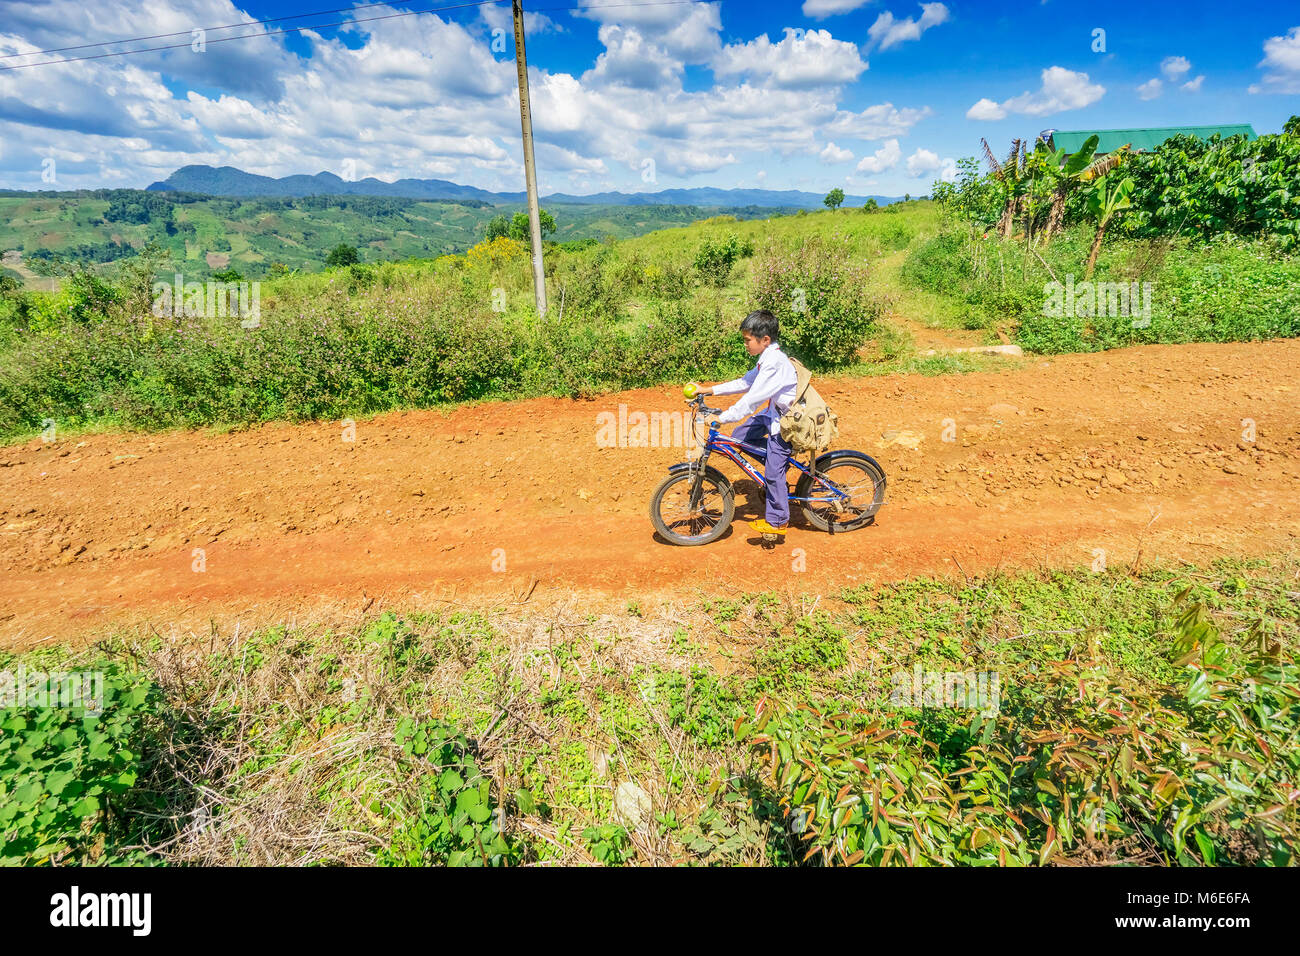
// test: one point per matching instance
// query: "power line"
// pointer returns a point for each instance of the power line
(180, 33)
(246, 36)
(288, 30)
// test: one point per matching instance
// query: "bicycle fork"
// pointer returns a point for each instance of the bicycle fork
(697, 483)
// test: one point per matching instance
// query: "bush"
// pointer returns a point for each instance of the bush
(341, 255)
(667, 281)
(1228, 290)
(714, 260)
(454, 822)
(65, 772)
(1074, 757)
(821, 299)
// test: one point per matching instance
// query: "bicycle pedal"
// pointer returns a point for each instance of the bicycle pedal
(771, 540)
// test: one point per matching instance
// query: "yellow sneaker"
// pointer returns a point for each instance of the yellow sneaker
(762, 527)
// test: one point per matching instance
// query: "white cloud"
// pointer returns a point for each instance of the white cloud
(923, 163)
(629, 60)
(498, 17)
(683, 162)
(986, 109)
(692, 36)
(834, 154)
(1174, 67)
(1150, 89)
(1194, 86)
(420, 96)
(1282, 61)
(1062, 89)
(888, 31)
(821, 9)
(876, 122)
(798, 61)
(886, 157)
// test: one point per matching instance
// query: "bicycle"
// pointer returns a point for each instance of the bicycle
(698, 499)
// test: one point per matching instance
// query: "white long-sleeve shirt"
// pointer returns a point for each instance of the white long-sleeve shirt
(769, 389)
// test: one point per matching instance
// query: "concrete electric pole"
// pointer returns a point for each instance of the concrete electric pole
(530, 169)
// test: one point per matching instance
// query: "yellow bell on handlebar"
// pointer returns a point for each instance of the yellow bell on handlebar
(689, 389)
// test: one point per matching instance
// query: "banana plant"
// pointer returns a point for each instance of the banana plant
(1108, 196)
(1081, 167)
(1010, 176)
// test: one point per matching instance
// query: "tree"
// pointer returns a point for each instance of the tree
(1082, 167)
(1108, 196)
(228, 275)
(907, 197)
(1010, 176)
(1291, 127)
(498, 227)
(342, 255)
(522, 231)
(870, 206)
(834, 199)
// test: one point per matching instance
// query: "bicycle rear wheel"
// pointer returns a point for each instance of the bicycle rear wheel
(677, 522)
(860, 482)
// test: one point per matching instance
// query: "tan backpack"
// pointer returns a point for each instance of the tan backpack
(809, 425)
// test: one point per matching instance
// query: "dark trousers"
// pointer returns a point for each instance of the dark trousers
(775, 466)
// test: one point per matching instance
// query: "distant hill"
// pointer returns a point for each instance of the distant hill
(229, 181)
(254, 235)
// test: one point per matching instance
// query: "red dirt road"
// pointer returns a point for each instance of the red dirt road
(1049, 462)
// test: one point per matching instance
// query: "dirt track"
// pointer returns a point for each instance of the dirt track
(1116, 451)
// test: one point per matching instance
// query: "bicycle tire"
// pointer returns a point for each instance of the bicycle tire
(728, 504)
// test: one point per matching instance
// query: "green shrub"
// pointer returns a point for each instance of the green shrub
(715, 259)
(820, 297)
(455, 821)
(1075, 755)
(65, 772)
(1227, 290)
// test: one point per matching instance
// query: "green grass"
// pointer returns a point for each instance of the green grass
(1226, 290)
(301, 729)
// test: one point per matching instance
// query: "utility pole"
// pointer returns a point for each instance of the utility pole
(530, 168)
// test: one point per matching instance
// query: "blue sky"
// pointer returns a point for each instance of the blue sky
(876, 97)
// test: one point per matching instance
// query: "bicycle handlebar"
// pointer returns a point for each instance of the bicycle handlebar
(698, 404)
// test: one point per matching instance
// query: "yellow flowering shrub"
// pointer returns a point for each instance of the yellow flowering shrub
(495, 253)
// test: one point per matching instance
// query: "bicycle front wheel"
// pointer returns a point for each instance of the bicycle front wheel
(678, 522)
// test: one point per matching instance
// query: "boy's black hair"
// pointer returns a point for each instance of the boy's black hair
(761, 323)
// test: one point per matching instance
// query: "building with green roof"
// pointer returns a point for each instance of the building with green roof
(1140, 140)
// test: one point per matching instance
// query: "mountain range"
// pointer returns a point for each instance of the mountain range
(230, 181)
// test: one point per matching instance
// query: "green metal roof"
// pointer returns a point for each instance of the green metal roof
(1141, 139)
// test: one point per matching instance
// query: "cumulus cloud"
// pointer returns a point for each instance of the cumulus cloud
(886, 157)
(889, 31)
(1282, 64)
(986, 109)
(821, 9)
(1062, 89)
(1194, 86)
(876, 122)
(925, 163)
(1175, 67)
(1150, 89)
(800, 60)
(421, 96)
(630, 60)
(834, 154)
(692, 36)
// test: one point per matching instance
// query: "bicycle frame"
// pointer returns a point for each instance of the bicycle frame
(734, 450)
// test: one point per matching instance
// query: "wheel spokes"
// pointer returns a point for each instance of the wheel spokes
(859, 492)
(698, 521)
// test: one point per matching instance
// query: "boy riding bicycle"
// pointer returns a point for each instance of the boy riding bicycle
(769, 389)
